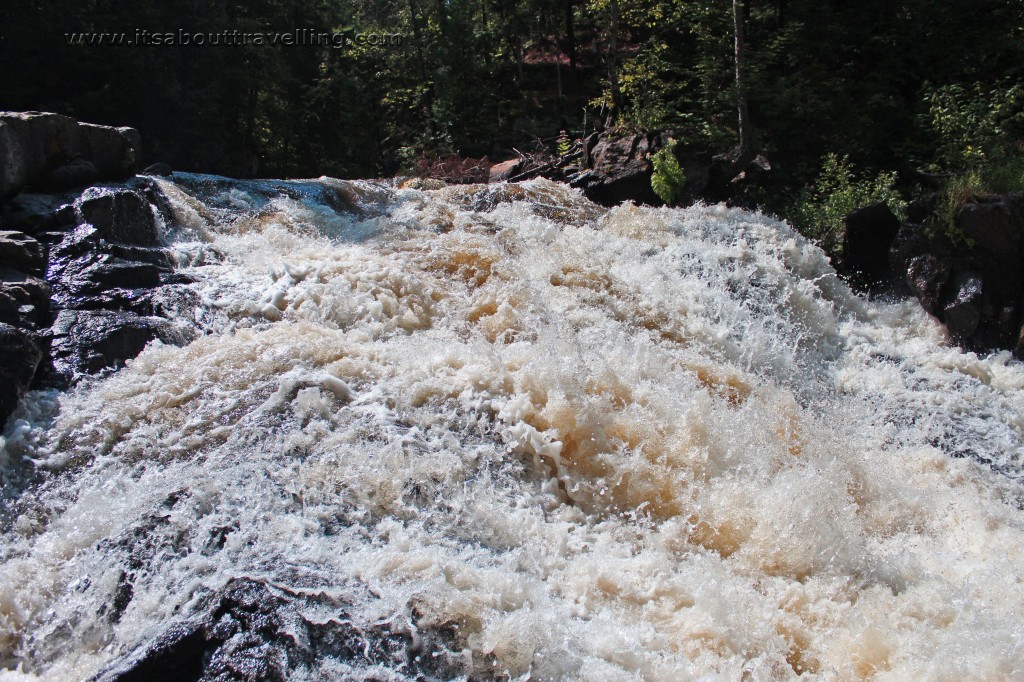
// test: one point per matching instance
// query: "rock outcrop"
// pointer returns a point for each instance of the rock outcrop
(85, 280)
(968, 274)
(50, 152)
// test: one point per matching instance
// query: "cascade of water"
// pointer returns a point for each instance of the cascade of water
(497, 432)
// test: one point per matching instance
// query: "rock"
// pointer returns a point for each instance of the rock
(119, 215)
(18, 251)
(21, 352)
(248, 632)
(160, 168)
(92, 274)
(910, 241)
(870, 232)
(920, 209)
(501, 172)
(962, 312)
(34, 213)
(88, 341)
(926, 277)
(77, 173)
(24, 299)
(993, 226)
(33, 144)
(621, 170)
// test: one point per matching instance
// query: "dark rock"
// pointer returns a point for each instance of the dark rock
(21, 252)
(77, 173)
(993, 226)
(24, 299)
(20, 354)
(119, 215)
(870, 232)
(33, 144)
(919, 210)
(962, 312)
(911, 241)
(619, 169)
(249, 633)
(88, 341)
(161, 169)
(927, 276)
(501, 172)
(114, 151)
(96, 272)
(34, 213)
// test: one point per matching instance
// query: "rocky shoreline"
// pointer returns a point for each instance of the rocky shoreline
(85, 278)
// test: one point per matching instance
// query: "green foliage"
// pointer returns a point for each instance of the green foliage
(974, 126)
(820, 209)
(977, 132)
(668, 179)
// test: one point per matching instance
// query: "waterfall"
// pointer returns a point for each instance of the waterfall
(499, 432)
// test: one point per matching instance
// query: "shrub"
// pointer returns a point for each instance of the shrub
(821, 209)
(668, 179)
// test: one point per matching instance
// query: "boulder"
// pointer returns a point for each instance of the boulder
(34, 144)
(77, 173)
(160, 168)
(24, 299)
(18, 251)
(119, 215)
(870, 232)
(963, 309)
(506, 170)
(620, 170)
(34, 213)
(993, 226)
(248, 631)
(926, 277)
(21, 352)
(88, 341)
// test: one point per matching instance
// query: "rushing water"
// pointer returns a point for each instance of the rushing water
(541, 439)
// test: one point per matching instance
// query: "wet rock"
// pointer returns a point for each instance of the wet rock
(506, 170)
(962, 312)
(24, 299)
(119, 215)
(77, 173)
(88, 341)
(251, 633)
(35, 213)
(94, 273)
(21, 352)
(21, 252)
(870, 232)
(33, 144)
(927, 276)
(160, 168)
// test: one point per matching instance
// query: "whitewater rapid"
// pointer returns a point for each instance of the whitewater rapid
(544, 439)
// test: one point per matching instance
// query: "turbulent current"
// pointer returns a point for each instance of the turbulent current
(498, 432)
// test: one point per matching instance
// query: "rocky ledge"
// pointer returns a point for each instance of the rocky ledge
(85, 279)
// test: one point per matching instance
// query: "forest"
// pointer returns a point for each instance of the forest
(848, 101)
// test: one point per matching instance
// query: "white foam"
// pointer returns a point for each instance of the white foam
(625, 444)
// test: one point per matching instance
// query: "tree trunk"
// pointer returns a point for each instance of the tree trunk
(613, 65)
(746, 143)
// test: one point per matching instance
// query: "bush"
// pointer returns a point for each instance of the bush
(821, 209)
(668, 179)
